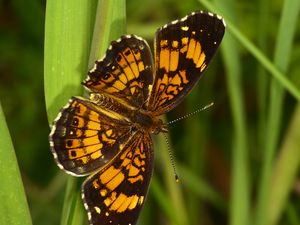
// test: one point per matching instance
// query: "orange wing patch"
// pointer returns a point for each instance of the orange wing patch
(125, 72)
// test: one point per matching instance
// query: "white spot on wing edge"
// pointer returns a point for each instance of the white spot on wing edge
(89, 214)
(216, 15)
(210, 14)
(138, 37)
(183, 19)
(141, 39)
(223, 21)
(174, 22)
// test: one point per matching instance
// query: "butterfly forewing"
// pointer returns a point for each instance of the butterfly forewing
(125, 72)
(115, 194)
(183, 50)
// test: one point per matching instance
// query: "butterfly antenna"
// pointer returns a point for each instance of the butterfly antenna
(192, 113)
(171, 158)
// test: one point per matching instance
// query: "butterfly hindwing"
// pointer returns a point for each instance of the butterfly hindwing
(115, 194)
(85, 137)
(125, 72)
(183, 50)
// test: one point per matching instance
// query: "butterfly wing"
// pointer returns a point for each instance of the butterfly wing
(125, 72)
(116, 193)
(184, 48)
(85, 137)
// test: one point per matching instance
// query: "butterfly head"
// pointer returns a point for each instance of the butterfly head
(158, 126)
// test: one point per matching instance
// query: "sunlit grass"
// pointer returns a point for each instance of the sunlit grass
(13, 208)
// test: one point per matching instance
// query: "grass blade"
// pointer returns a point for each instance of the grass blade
(265, 62)
(240, 190)
(287, 28)
(68, 35)
(67, 42)
(286, 169)
(240, 195)
(292, 215)
(201, 189)
(13, 208)
(109, 13)
(173, 189)
(163, 201)
(69, 29)
(263, 21)
(73, 211)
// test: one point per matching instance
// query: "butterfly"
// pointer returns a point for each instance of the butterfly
(108, 135)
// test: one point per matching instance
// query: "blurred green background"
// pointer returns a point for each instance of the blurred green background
(238, 161)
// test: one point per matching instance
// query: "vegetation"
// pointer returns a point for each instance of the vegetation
(238, 162)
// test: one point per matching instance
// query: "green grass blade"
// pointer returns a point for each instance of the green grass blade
(110, 13)
(286, 169)
(200, 189)
(292, 215)
(240, 190)
(240, 195)
(13, 208)
(73, 211)
(69, 29)
(173, 189)
(163, 201)
(265, 62)
(67, 42)
(263, 21)
(287, 28)
(68, 33)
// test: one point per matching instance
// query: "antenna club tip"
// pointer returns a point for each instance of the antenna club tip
(177, 178)
(208, 106)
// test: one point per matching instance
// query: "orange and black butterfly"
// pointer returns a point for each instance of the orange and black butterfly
(108, 136)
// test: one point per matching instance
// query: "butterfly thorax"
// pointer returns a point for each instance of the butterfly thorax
(138, 118)
(143, 120)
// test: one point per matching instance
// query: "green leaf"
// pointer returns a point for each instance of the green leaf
(164, 202)
(109, 14)
(70, 51)
(284, 44)
(13, 208)
(201, 189)
(240, 184)
(286, 169)
(256, 52)
(68, 34)
(174, 192)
